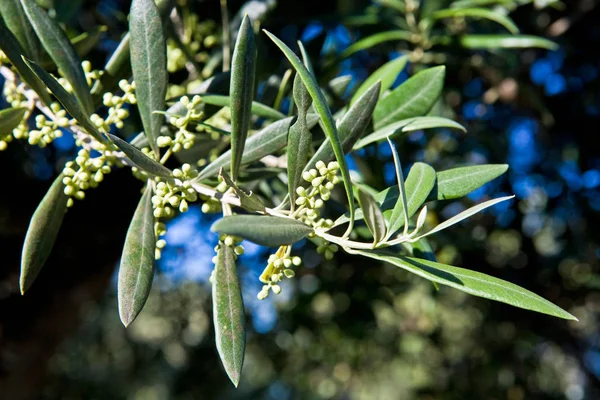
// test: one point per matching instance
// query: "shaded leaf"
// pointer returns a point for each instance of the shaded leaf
(387, 74)
(140, 160)
(17, 22)
(471, 282)
(149, 66)
(372, 215)
(59, 48)
(243, 71)
(458, 182)
(491, 42)
(136, 270)
(483, 13)
(10, 118)
(228, 314)
(401, 207)
(413, 98)
(264, 230)
(249, 201)
(41, 234)
(421, 249)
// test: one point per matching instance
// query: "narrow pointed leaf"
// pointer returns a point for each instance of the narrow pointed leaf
(401, 207)
(136, 271)
(10, 118)
(59, 48)
(267, 141)
(458, 182)
(299, 140)
(482, 13)
(406, 126)
(41, 234)
(471, 282)
(491, 42)
(264, 230)
(340, 84)
(249, 201)
(149, 66)
(257, 108)
(374, 40)
(465, 214)
(243, 71)
(10, 46)
(419, 183)
(387, 74)
(228, 314)
(141, 160)
(17, 22)
(480, 3)
(67, 100)
(372, 215)
(413, 98)
(324, 112)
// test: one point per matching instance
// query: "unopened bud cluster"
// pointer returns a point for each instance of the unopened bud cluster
(48, 129)
(198, 37)
(183, 139)
(230, 241)
(212, 205)
(160, 229)
(322, 180)
(279, 266)
(91, 76)
(175, 193)
(84, 173)
(117, 112)
(327, 249)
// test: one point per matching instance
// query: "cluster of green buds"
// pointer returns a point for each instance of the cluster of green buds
(117, 112)
(15, 96)
(91, 76)
(197, 37)
(84, 173)
(174, 193)
(279, 265)
(327, 249)
(322, 180)
(183, 139)
(160, 229)
(230, 241)
(212, 205)
(48, 129)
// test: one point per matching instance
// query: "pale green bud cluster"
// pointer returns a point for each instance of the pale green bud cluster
(15, 96)
(91, 76)
(160, 229)
(198, 37)
(175, 193)
(117, 113)
(322, 180)
(328, 250)
(211, 204)
(230, 241)
(48, 129)
(183, 138)
(136, 172)
(84, 173)
(279, 266)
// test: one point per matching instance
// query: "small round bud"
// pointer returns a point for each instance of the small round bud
(296, 260)
(276, 289)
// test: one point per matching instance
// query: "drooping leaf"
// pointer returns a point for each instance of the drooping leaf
(228, 314)
(372, 215)
(474, 283)
(299, 139)
(257, 108)
(491, 42)
(324, 112)
(406, 126)
(267, 141)
(387, 74)
(59, 48)
(139, 159)
(482, 13)
(149, 66)
(10, 118)
(413, 98)
(458, 182)
(374, 40)
(249, 201)
(41, 234)
(136, 270)
(13, 51)
(243, 71)
(418, 185)
(264, 230)
(17, 22)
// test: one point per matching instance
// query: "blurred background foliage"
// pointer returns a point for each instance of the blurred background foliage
(344, 328)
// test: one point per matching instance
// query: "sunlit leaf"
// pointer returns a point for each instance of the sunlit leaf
(149, 66)
(413, 98)
(136, 270)
(474, 283)
(264, 230)
(243, 70)
(59, 48)
(458, 182)
(401, 207)
(41, 234)
(491, 42)
(141, 160)
(10, 118)
(372, 215)
(387, 74)
(228, 314)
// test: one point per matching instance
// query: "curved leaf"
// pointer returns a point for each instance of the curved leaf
(491, 42)
(474, 283)
(241, 91)
(59, 48)
(141, 160)
(372, 215)
(228, 314)
(41, 234)
(494, 16)
(458, 182)
(374, 40)
(413, 98)
(17, 22)
(149, 66)
(136, 270)
(10, 118)
(387, 74)
(264, 230)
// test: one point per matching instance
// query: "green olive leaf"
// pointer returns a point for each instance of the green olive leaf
(374, 40)
(149, 66)
(17, 22)
(491, 42)
(241, 91)
(258, 109)
(372, 215)
(136, 270)
(228, 314)
(10, 118)
(480, 13)
(249, 201)
(264, 230)
(139, 159)
(41, 234)
(61, 51)
(458, 182)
